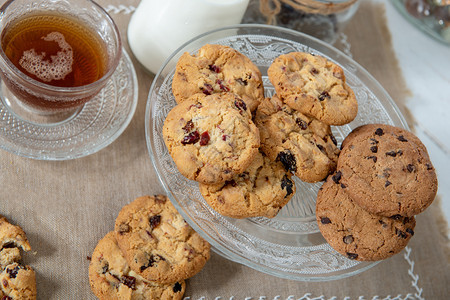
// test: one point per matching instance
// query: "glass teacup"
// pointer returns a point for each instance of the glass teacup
(55, 55)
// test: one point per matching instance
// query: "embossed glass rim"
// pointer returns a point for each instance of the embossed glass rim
(120, 116)
(239, 251)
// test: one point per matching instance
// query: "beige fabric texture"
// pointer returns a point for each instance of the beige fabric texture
(67, 207)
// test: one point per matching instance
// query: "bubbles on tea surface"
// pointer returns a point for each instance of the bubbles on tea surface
(57, 68)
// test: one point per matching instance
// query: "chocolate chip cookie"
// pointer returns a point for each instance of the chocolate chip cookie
(110, 276)
(156, 241)
(354, 232)
(211, 138)
(387, 171)
(304, 145)
(314, 86)
(218, 69)
(261, 190)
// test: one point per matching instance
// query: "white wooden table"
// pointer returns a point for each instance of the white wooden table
(425, 64)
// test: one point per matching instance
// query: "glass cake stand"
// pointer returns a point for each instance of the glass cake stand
(289, 245)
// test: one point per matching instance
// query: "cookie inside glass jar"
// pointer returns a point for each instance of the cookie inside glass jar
(321, 19)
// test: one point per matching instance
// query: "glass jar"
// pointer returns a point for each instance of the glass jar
(430, 16)
(318, 18)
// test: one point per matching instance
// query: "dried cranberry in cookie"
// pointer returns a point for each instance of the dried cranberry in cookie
(211, 138)
(218, 69)
(314, 86)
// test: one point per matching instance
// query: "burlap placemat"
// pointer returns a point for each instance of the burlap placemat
(66, 207)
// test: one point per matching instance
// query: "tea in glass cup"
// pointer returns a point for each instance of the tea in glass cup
(55, 55)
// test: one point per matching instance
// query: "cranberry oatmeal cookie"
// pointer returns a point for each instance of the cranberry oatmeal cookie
(16, 280)
(218, 69)
(354, 232)
(387, 171)
(12, 237)
(211, 138)
(303, 144)
(156, 241)
(261, 190)
(110, 276)
(314, 86)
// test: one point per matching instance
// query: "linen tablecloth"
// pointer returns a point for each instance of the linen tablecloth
(66, 207)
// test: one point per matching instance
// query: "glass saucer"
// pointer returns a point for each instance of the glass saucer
(289, 245)
(94, 126)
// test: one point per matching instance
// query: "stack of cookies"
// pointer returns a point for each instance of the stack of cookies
(213, 139)
(16, 280)
(243, 148)
(149, 255)
(311, 95)
(384, 177)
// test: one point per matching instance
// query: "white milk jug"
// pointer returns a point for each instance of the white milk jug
(158, 27)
